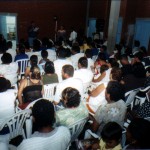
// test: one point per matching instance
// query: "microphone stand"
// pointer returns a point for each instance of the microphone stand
(55, 30)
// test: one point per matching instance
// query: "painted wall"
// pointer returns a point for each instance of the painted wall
(70, 13)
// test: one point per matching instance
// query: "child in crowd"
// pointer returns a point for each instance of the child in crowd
(110, 138)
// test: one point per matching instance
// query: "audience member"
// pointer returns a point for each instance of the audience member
(110, 137)
(69, 81)
(44, 55)
(10, 50)
(74, 110)
(30, 87)
(75, 56)
(138, 57)
(9, 69)
(88, 55)
(114, 110)
(136, 47)
(47, 136)
(135, 80)
(7, 97)
(83, 73)
(3, 46)
(60, 62)
(97, 95)
(33, 62)
(103, 50)
(137, 132)
(37, 45)
(126, 66)
(21, 53)
(50, 76)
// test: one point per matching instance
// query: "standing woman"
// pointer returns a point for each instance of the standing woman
(31, 88)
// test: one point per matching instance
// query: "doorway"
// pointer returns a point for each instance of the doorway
(91, 27)
(142, 32)
(8, 27)
(119, 30)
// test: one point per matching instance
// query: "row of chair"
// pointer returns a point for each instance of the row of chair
(18, 124)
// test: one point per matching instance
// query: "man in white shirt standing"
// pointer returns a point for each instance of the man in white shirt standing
(69, 81)
(83, 72)
(76, 55)
(73, 35)
(60, 62)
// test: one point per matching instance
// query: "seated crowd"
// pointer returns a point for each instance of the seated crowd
(86, 87)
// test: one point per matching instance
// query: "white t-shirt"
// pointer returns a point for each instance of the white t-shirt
(58, 64)
(90, 63)
(58, 139)
(9, 72)
(74, 59)
(70, 82)
(51, 54)
(38, 54)
(84, 74)
(3, 146)
(95, 102)
(12, 52)
(106, 79)
(7, 105)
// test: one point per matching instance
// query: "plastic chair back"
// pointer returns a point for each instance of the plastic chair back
(76, 128)
(23, 63)
(15, 123)
(49, 91)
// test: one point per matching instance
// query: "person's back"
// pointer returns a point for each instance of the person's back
(10, 50)
(50, 76)
(9, 69)
(137, 79)
(76, 55)
(83, 73)
(115, 109)
(32, 91)
(21, 54)
(47, 137)
(54, 140)
(8, 97)
(69, 81)
(60, 62)
(73, 111)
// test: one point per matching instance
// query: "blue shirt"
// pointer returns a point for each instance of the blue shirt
(21, 56)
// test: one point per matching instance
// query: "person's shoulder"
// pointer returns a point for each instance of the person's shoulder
(64, 130)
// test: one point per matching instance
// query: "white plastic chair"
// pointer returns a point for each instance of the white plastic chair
(15, 125)
(130, 97)
(49, 91)
(76, 128)
(23, 63)
(29, 120)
